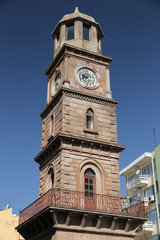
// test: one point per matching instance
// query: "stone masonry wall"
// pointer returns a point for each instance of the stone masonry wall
(74, 119)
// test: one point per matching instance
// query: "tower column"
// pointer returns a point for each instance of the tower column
(93, 34)
(62, 34)
(78, 30)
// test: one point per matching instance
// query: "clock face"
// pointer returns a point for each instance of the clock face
(57, 82)
(86, 77)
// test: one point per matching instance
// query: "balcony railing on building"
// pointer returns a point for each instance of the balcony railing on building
(138, 181)
(146, 228)
(78, 200)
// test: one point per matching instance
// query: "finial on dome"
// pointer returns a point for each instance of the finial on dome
(76, 10)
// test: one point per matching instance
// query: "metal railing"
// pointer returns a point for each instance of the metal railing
(135, 181)
(79, 200)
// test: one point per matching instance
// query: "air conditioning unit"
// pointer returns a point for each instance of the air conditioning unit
(151, 198)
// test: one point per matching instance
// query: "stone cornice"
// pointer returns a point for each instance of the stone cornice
(61, 137)
(67, 50)
(80, 95)
(47, 219)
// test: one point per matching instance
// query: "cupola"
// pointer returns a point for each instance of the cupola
(80, 30)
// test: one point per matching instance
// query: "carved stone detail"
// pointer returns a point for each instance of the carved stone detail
(89, 99)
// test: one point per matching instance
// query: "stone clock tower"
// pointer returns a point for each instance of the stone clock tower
(79, 189)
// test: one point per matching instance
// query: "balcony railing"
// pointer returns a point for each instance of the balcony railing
(79, 200)
(138, 181)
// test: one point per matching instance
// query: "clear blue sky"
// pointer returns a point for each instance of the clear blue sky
(132, 38)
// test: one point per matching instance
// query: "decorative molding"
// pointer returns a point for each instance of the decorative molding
(72, 50)
(56, 145)
(86, 97)
(79, 95)
(36, 227)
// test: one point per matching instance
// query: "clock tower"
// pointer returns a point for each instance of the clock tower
(79, 189)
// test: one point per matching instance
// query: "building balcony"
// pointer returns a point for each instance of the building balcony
(74, 200)
(138, 182)
(146, 228)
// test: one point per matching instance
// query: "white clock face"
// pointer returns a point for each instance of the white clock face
(55, 84)
(86, 77)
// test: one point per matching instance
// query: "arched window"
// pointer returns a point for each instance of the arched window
(50, 178)
(89, 181)
(89, 118)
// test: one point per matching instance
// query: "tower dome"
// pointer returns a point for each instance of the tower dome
(79, 30)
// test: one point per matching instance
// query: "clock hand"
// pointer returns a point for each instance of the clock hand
(84, 77)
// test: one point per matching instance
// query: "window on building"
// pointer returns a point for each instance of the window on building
(86, 30)
(50, 178)
(152, 215)
(147, 170)
(70, 31)
(89, 118)
(149, 191)
(89, 180)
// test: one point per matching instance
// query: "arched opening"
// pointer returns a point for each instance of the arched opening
(50, 178)
(89, 118)
(89, 188)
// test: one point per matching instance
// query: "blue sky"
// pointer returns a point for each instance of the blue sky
(131, 37)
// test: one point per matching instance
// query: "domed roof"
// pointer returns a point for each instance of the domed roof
(77, 14)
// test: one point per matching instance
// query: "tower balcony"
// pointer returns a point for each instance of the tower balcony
(75, 200)
(146, 228)
(138, 182)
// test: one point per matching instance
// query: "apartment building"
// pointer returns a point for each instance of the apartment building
(143, 182)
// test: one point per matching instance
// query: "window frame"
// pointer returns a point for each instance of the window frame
(88, 117)
(147, 190)
(86, 31)
(72, 33)
(87, 176)
(147, 170)
(51, 178)
(153, 213)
